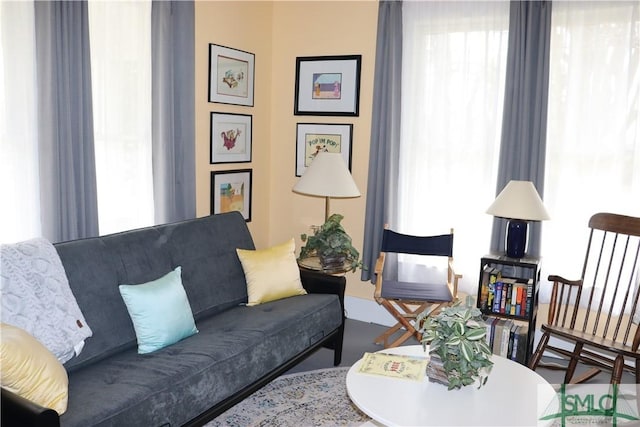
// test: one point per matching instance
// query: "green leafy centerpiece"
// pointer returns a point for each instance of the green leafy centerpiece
(459, 353)
(331, 244)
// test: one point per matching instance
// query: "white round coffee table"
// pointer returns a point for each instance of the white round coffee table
(513, 396)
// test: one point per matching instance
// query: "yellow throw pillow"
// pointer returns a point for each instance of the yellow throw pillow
(31, 371)
(272, 273)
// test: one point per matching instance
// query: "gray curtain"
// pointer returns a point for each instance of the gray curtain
(524, 122)
(385, 135)
(173, 110)
(68, 192)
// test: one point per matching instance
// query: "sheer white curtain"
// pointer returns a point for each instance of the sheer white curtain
(121, 80)
(593, 133)
(19, 188)
(454, 62)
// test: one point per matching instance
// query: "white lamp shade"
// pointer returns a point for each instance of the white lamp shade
(327, 176)
(519, 200)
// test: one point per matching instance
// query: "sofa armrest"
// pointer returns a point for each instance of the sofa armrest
(18, 411)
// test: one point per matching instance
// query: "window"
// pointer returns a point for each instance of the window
(20, 214)
(453, 77)
(121, 79)
(593, 130)
(121, 86)
(454, 63)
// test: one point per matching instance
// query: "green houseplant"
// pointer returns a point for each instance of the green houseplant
(331, 244)
(459, 353)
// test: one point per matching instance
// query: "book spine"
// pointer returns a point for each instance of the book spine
(521, 352)
(497, 297)
(497, 336)
(487, 322)
(484, 290)
(506, 331)
(529, 298)
(520, 291)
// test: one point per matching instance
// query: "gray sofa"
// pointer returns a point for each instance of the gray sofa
(238, 349)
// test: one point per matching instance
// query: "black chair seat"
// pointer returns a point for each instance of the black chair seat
(416, 291)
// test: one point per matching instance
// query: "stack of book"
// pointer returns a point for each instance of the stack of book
(505, 295)
(507, 338)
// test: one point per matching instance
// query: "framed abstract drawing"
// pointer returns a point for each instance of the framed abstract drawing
(231, 75)
(313, 138)
(327, 85)
(231, 137)
(231, 191)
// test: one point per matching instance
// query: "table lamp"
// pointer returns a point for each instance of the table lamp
(327, 176)
(519, 202)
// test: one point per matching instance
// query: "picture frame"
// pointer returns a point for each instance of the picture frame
(230, 138)
(231, 191)
(231, 75)
(327, 85)
(312, 138)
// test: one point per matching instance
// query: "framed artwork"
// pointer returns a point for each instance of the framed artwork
(327, 85)
(230, 138)
(313, 138)
(231, 75)
(231, 191)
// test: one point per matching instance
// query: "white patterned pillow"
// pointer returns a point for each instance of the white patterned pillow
(36, 297)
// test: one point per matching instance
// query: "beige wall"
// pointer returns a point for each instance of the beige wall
(245, 26)
(278, 32)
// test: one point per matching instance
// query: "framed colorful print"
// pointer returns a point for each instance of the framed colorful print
(230, 138)
(231, 191)
(327, 85)
(314, 138)
(231, 75)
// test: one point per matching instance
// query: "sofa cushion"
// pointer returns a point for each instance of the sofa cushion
(205, 248)
(272, 273)
(31, 371)
(211, 271)
(232, 350)
(160, 311)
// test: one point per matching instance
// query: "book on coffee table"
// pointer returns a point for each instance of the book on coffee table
(394, 365)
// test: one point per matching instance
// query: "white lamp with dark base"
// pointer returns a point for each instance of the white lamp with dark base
(519, 202)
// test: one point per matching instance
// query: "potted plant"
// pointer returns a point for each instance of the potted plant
(459, 353)
(331, 244)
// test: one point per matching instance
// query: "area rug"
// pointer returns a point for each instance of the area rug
(313, 398)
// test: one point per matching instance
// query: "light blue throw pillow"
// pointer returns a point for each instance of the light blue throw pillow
(160, 311)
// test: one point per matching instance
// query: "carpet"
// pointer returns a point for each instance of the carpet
(313, 398)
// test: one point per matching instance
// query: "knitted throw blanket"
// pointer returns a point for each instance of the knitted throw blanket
(36, 297)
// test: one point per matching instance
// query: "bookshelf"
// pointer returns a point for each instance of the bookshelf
(508, 298)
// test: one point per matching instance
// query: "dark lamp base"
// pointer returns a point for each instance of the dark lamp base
(516, 238)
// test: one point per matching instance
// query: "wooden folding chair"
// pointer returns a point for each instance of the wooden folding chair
(594, 316)
(405, 300)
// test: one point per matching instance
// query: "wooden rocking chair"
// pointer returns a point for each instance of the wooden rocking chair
(595, 314)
